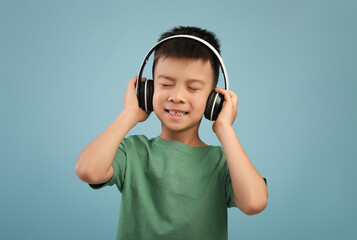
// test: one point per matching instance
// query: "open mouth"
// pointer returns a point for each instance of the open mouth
(171, 112)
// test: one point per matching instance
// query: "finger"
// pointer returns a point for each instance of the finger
(225, 93)
(232, 93)
(234, 96)
(221, 90)
(132, 82)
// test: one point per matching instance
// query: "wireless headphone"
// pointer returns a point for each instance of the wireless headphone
(145, 91)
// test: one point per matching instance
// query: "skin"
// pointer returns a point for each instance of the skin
(182, 85)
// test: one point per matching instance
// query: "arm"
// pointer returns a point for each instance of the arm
(94, 163)
(250, 190)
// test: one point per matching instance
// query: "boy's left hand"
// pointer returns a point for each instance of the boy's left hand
(229, 111)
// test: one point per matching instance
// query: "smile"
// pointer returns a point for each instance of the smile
(175, 114)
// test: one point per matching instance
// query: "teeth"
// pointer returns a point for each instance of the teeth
(177, 113)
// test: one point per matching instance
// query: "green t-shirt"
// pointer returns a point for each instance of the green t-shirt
(171, 190)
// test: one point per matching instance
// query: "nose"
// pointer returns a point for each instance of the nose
(177, 95)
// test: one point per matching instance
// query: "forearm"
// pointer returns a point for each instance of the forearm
(250, 190)
(96, 159)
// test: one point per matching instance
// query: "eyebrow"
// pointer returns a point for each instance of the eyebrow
(197, 80)
(190, 81)
(166, 77)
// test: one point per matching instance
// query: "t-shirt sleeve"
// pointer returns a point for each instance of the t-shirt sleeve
(229, 191)
(119, 167)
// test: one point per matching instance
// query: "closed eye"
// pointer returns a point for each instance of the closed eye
(193, 89)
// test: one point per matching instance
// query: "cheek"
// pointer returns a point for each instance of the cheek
(200, 103)
(157, 98)
(204, 99)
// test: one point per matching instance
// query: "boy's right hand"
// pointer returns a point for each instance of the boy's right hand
(131, 103)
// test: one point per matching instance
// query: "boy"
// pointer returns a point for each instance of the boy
(175, 186)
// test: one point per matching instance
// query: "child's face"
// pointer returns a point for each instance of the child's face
(181, 90)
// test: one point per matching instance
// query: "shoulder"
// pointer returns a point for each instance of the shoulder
(216, 150)
(218, 153)
(136, 141)
(136, 138)
(213, 152)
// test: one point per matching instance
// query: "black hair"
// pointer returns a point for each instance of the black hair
(189, 48)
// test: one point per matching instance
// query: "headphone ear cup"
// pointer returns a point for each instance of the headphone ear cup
(214, 102)
(149, 95)
(141, 95)
(145, 95)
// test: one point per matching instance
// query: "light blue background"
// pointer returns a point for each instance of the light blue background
(64, 70)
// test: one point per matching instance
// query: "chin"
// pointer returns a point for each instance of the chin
(180, 126)
(190, 121)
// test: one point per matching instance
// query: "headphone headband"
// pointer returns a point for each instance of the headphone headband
(183, 36)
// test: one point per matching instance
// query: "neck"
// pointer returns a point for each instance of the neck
(188, 137)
